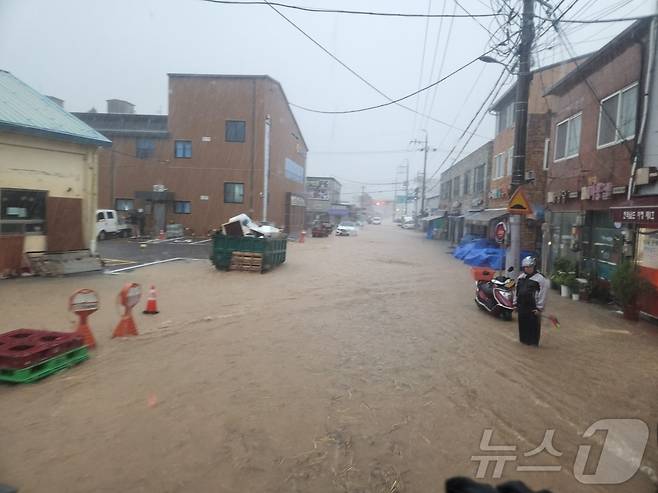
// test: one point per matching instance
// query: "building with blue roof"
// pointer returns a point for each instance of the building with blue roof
(48, 175)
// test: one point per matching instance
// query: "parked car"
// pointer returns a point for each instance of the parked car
(408, 223)
(347, 228)
(109, 223)
(376, 220)
(320, 229)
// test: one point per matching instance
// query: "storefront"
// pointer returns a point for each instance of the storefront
(479, 223)
(642, 222)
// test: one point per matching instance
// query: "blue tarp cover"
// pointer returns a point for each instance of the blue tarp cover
(484, 253)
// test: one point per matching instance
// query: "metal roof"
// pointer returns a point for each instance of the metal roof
(24, 110)
(127, 124)
(631, 34)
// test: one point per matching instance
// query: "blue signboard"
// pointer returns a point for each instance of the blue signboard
(293, 171)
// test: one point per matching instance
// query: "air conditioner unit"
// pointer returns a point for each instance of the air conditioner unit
(584, 193)
(644, 176)
(530, 175)
(550, 197)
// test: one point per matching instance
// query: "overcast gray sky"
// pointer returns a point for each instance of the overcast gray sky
(87, 51)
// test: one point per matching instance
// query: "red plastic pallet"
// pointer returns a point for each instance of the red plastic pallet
(22, 348)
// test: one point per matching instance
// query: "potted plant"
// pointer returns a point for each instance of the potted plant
(572, 283)
(627, 286)
(585, 289)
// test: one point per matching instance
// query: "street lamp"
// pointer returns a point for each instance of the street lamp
(488, 59)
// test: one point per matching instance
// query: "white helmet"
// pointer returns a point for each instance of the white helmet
(529, 261)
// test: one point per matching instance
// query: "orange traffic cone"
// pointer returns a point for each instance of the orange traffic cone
(151, 303)
(162, 235)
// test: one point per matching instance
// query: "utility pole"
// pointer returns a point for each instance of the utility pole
(422, 197)
(406, 192)
(521, 126)
(425, 150)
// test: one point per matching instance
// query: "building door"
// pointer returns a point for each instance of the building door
(159, 216)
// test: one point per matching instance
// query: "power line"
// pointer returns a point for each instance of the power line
(353, 72)
(351, 12)
(395, 101)
(493, 94)
(407, 15)
(422, 63)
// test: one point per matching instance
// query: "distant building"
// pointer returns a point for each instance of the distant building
(463, 194)
(48, 175)
(323, 199)
(204, 162)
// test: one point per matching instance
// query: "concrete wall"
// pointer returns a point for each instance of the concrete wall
(62, 169)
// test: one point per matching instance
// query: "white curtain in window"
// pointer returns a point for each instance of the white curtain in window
(627, 112)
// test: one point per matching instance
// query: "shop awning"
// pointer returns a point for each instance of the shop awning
(433, 217)
(482, 218)
(646, 216)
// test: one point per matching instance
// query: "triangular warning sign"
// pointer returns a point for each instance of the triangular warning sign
(518, 203)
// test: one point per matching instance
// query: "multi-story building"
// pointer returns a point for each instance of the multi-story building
(463, 190)
(227, 142)
(592, 150)
(540, 106)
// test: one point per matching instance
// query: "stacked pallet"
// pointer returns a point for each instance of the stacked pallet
(27, 355)
(247, 261)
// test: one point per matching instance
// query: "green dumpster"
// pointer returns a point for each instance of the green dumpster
(273, 250)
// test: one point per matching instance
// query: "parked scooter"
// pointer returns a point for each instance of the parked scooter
(497, 295)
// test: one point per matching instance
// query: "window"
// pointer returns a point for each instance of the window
(499, 165)
(110, 214)
(478, 187)
(124, 204)
(235, 131)
(22, 211)
(617, 116)
(455, 187)
(182, 207)
(467, 182)
(183, 149)
(445, 190)
(145, 148)
(567, 137)
(505, 118)
(547, 143)
(233, 193)
(100, 216)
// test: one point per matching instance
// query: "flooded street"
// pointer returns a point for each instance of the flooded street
(360, 365)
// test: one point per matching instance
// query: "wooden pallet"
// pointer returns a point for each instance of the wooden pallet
(247, 261)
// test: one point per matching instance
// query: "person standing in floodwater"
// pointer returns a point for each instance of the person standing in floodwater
(530, 301)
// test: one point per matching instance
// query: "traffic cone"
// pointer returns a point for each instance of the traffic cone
(151, 303)
(302, 236)
(162, 235)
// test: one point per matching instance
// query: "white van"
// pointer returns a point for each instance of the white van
(108, 223)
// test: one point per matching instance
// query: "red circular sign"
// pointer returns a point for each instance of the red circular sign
(500, 232)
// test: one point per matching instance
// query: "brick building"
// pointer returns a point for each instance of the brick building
(593, 145)
(205, 161)
(539, 120)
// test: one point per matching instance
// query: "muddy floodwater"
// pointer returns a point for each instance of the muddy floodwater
(360, 365)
